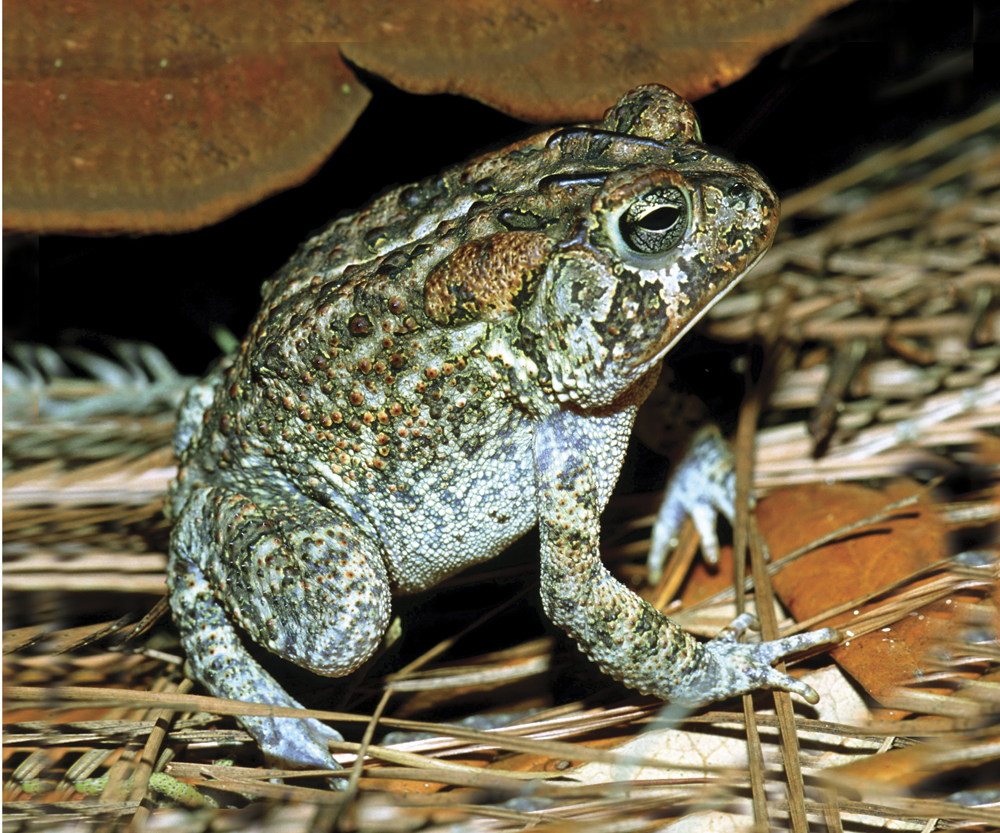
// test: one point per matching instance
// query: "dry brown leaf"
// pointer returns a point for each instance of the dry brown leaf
(896, 768)
(566, 60)
(121, 116)
(143, 117)
(863, 562)
(988, 456)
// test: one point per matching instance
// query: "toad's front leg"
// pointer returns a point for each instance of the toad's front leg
(576, 460)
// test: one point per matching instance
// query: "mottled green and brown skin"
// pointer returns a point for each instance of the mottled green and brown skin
(435, 374)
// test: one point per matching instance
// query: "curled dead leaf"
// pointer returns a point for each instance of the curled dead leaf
(142, 117)
(561, 60)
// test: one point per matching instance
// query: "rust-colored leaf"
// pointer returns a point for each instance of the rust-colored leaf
(566, 60)
(144, 117)
(988, 456)
(894, 767)
(865, 561)
(898, 769)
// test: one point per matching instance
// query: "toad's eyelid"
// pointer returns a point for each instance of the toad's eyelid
(660, 196)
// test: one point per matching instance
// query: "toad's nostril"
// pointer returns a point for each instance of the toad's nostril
(738, 190)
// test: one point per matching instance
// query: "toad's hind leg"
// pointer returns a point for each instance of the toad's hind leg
(298, 580)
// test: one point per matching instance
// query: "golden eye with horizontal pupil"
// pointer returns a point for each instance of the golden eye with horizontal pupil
(655, 222)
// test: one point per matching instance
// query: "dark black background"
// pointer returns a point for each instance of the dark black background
(873, 74)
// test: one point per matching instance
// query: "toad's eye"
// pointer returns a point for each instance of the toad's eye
(655, 222)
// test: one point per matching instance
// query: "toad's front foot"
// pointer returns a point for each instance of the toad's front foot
(733, 668)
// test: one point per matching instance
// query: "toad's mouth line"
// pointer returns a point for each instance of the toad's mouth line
(700, 314)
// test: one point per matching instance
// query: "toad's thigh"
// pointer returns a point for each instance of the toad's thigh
(300, 580)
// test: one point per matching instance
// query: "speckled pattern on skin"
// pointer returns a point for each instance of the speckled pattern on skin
(430, 377)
